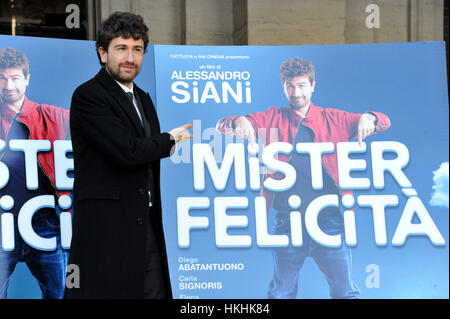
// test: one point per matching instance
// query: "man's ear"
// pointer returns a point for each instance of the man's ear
(103, 54)
(27, 79)
(313, 86)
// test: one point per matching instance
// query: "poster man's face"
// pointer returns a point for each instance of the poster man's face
(298, 91)
(13, 84)
(123, 59)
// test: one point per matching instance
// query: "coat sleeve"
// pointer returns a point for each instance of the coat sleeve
(94, 119)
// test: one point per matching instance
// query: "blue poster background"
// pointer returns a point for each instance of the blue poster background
(405, 81)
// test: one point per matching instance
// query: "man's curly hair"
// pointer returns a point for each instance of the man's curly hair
(297, 67)
(12, 58)
(121, 24)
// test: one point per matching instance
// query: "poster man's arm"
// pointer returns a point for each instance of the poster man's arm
(245, 126)
(65, 119)
(236, 126)
(243, 129)
(366, 126)
(60, 116)
(368, 123)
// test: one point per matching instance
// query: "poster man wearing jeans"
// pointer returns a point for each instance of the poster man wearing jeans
(303, 122)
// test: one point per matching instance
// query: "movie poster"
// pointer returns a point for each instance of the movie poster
(349, 200)
(36, 164)
(290, 207)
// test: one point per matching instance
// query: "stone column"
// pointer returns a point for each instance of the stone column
(207, 22)
(336, 21)
(427, 20)
(240, 22)
(283, 22)
(296, 22)
(163, 17)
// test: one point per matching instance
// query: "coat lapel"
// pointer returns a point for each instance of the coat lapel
(120, 97)
(149, 109)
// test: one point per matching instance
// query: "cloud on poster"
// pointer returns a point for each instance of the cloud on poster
(440, 186)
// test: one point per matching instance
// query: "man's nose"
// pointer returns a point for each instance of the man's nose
(9, 84)
(297, 91)
(130, 56)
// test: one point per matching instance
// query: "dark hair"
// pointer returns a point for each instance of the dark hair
(297, 67)
(121, 24)
(12, 58)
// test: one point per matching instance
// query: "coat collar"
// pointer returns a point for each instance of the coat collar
(310, 116)
(6, 112)
(313, 112)
(27, 110)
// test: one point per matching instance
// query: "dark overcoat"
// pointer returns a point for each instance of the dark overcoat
(110, 192)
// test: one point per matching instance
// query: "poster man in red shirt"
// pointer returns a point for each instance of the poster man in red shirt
(23, 119)
(303, 122)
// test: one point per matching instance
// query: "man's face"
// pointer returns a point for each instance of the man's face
(123, 59)
(13, 84)
(298, 91)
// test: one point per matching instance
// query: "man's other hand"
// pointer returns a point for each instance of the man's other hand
(366, 126)
(180, 134)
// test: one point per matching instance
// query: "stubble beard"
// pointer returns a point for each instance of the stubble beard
(7, 100)
(296, 106)
(126, 77)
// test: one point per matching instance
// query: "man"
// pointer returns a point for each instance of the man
(303, 122)
(21, 118)
(118, 241)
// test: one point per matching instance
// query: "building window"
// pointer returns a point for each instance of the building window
(68, 19)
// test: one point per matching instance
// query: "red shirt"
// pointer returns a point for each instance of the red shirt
(328, 125)
(45, 122)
